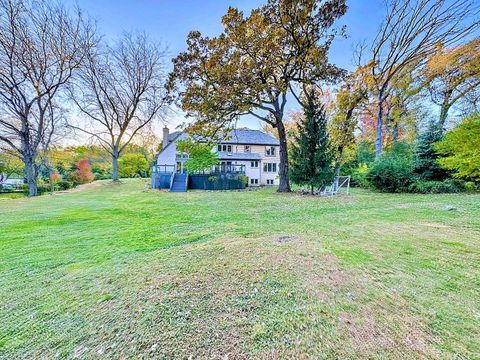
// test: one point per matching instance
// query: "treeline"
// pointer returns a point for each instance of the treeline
(383, 122)
(424, 59)
(64, 168)
(59, 76)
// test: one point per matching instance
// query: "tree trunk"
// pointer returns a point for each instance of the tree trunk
(283, 166)
(311, 189)
(445, 107)
(395, 132)
(115, 157)
(31, 174)
(338, 165)
(379, 132)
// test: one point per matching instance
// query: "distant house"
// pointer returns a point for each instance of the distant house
(13, 180)
(251, 153)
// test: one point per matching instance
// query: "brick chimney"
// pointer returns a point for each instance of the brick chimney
(166, 132)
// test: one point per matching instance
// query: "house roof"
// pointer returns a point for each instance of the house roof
(239, 136)
(238, 156)
(177, 134)
(249, 136)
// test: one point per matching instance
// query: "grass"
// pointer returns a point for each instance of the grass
(115, 272)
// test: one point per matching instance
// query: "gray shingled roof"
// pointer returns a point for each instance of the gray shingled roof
(238, 156)
(248, 136)
(175, 134)
(240, 136)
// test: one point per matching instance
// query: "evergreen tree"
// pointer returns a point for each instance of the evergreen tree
(426, 158)
(312, 155)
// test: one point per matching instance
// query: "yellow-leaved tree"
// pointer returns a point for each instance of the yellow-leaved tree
(452, 76)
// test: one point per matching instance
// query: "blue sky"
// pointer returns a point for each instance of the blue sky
(170, 21)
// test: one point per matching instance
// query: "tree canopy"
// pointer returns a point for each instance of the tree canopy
(452, 75)
(252, 65)
(460, 149)
(201, 156)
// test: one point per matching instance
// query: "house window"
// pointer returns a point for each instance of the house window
(248, 149)
(270, 167)
(254, 164)
(270, 151)
(269, 181)
(224, 148)
(182, 156)
(253, 181)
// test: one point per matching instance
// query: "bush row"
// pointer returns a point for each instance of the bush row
(397, 171)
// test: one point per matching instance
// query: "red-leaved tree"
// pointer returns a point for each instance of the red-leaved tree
(83, 174)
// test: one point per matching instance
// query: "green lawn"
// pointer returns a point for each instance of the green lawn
(115, 272)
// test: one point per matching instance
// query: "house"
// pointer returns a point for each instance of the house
(251, 153)
(12, 181)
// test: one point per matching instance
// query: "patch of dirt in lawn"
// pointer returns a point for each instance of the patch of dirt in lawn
(204, 300)
(391, 329)
(282, 239)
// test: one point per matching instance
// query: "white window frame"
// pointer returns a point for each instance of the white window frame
(247, 148)
(253, 181)
(269, 181)
(254, 164)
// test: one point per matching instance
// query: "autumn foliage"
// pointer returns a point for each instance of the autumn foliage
(55, 177)
(83, 174)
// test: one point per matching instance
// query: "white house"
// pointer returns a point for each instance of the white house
(252, 152)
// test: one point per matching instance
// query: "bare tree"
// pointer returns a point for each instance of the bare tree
(409, 34)
(119, 92)
(41, 45)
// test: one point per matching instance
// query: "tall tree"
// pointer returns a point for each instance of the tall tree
(251, 67)
(451, 74)
(349, 97)
(312, 155)
(42, 44)
(119, 92)
(408, 35)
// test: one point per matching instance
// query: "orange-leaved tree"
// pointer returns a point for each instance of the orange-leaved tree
(83, 174)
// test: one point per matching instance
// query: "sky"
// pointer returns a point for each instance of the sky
(169, 22)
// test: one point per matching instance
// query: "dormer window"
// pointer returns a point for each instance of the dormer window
(224, 148)
(270, 151)
(248, 149)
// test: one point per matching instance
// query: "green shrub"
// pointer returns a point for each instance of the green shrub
(447, 186)
(393, 170)
(359, 176)
(244, 180)
(470, 186)
(65, 185)
(459, 149)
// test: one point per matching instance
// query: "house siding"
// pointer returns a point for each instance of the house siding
(259, 173)
(168, 156)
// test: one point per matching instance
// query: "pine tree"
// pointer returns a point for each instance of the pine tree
(312, 155)
(426, 165)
